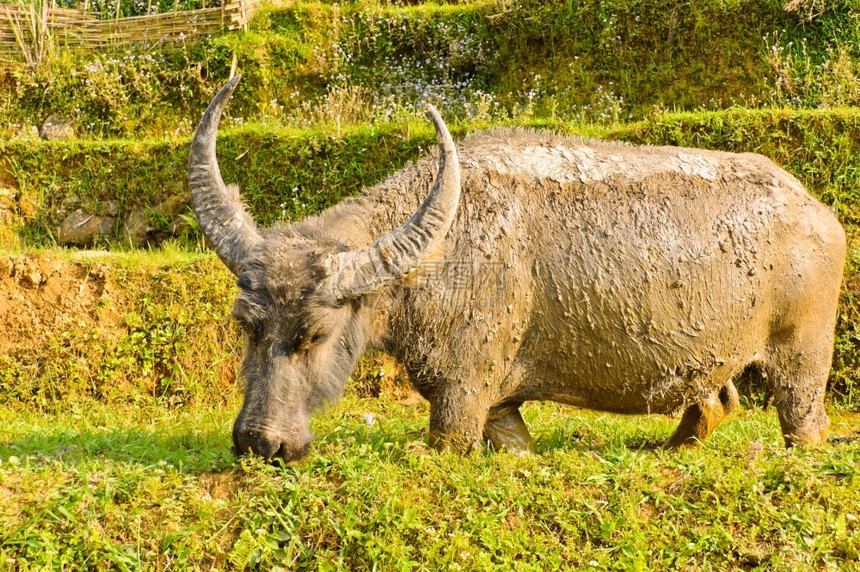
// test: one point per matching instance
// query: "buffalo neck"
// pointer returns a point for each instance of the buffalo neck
(359, 221)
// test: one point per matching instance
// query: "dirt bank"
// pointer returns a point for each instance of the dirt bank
(41, 295)
(115, 327)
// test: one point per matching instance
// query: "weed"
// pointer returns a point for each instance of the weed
(370, 63)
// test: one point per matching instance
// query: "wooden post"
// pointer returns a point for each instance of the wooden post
(233, 65)
(86, 6)
(176, 5)
(204, 4)
(149, 7)
(118, 3)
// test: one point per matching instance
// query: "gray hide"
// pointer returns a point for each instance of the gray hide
(601, 275)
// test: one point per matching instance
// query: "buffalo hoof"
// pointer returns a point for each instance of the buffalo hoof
(460, 443)
(808, 436)
(700, 419)
(507, 431)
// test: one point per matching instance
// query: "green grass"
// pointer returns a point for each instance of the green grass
(592, 61)
(155, 489)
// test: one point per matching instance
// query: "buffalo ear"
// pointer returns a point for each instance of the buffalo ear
(225, 223)
(397, 254)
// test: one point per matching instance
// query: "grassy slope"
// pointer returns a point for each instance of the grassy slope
(296, 172)
(267, 162)
(592, 60)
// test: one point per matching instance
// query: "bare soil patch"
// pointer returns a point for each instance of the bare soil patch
(41, 294)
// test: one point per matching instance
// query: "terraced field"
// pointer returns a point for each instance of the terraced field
(119, 359)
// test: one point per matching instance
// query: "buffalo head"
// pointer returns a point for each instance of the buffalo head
(301, 299)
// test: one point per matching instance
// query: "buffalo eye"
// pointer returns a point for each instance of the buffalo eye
(317, 338)
(306, 342)
(253, 328)
(244, 282)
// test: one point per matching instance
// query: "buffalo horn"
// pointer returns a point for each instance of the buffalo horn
(229, 229)
(399, 252)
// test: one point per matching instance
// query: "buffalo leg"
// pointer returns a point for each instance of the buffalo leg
(700, 419)
(457, 422)
(505, 429)
(800, 347)
(799, 357)
(798, 378)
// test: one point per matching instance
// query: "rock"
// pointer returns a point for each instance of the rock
(31, 133)
(177, 208)
(137, 227)
(57, 128)
(6, 267)
(7, 198)
(141, 232)
(178, 226)
(82, 228)
(112, 208)
(27, 133)
(173, 205)
(27, 272)
(31, 279)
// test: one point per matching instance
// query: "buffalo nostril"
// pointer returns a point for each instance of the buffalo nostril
(262, 444)
(289, 454)
(269, 446)
(295, 453)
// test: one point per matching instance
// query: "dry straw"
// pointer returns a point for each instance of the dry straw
(31, 32)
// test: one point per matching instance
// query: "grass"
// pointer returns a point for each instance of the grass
(155, 489)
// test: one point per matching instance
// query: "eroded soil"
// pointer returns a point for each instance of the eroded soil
(41, 294)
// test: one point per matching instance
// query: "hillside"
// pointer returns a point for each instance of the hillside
(328, 64)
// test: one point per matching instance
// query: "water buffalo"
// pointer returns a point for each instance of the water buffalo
(602, 275)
